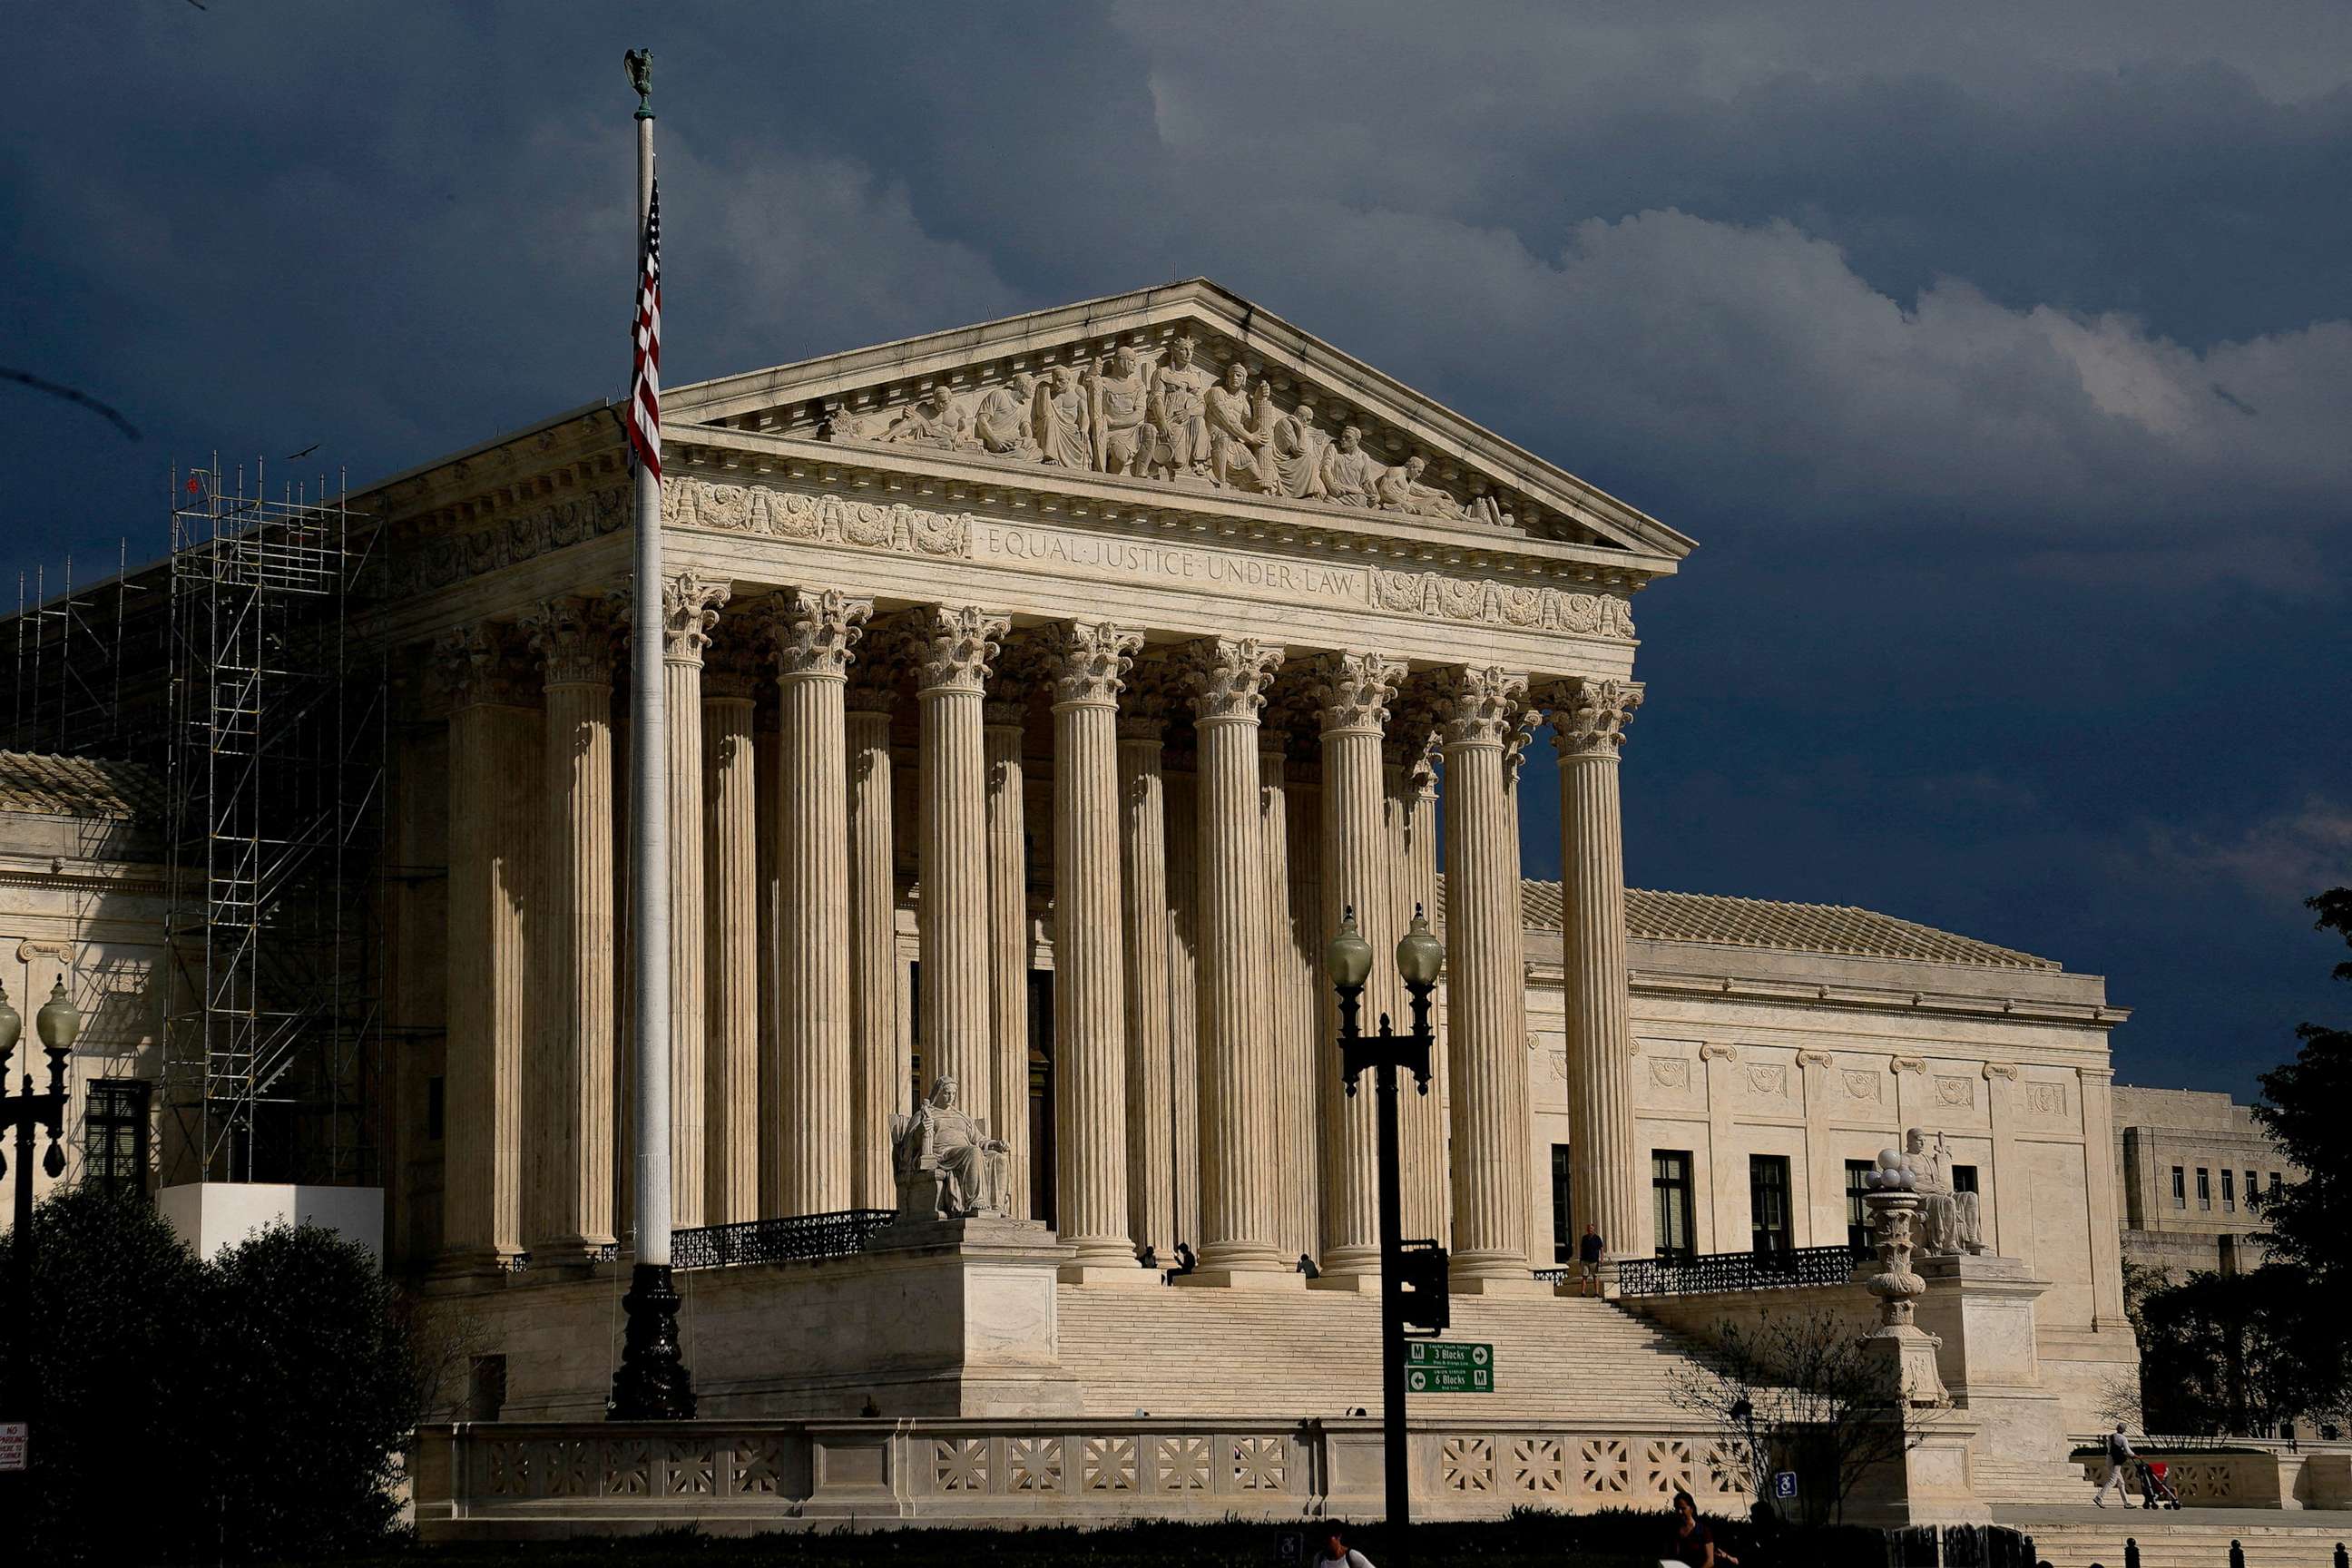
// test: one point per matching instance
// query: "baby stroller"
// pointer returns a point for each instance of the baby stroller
(2155, 1491)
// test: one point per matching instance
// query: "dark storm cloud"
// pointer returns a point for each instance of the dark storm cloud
(1997, 355)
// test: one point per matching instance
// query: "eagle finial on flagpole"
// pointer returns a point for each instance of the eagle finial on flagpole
(641, 77)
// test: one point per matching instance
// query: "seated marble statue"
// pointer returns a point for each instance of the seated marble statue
(946, 1165)
(1951, 1221)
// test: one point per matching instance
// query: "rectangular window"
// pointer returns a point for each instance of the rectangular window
(1563, 1246)
(1768, 1203)
(2228, 1192)
(1964, 1178)
(1857, 1213)
(1669, 1191)
(2180, 1187)
(2275, 1183)
(2204, 1188)
(114, 1136)
(2254, 1189)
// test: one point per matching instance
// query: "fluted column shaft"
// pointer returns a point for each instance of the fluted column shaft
(730, 861)
(958, 645)
(1144, 906)
(1184, 1001)
(1088, 665)
(1421, 1118)
(1008, 948)
(1352, 694)
(1304, 803)
(816, 635)
(571, 1089)
(1290, 1087)
(767, 773)
(1488, 1061)
(495, 742)
(1607, 1184)
(1240, 1212)
(689, 609)
(877, 1071)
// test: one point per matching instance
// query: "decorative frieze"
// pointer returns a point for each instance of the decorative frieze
(819, 520)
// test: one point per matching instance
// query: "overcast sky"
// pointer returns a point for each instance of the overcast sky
(1998, 356)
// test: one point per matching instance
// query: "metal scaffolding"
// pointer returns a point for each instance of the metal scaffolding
(273, 1024)
(67, 696)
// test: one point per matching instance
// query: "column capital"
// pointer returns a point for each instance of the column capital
(573, 638)
(484, 664)
(958, 644)
(736, 661)
(1088, 662)
(1479, 705)
(690, 606)
(1152, 690)
(1228, 677)
(817, 634)
(884, 654)
(1526, 718)
(1353, 691)
(1589, 717)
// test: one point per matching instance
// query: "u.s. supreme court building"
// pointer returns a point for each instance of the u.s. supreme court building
(1040, 694)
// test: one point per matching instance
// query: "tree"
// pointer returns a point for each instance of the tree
(2310, 1219)
(1800, 1391)
(2236, 1354)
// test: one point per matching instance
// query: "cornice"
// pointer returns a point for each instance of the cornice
(1860, 998)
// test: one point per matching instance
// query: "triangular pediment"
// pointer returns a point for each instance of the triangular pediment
(1141, 386)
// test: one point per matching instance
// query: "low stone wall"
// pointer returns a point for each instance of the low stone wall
(520, 1480)
(2274, 1476)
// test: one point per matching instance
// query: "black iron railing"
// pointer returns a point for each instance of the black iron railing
(1551, 1276)
(1717, 1271)
(608, 1253)
(797, 1239)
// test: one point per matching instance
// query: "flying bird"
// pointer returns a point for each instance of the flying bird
(303, 453)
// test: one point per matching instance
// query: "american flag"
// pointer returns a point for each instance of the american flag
(645, 382)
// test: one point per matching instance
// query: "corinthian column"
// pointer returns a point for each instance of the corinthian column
(1412, 782)
(731, 862)
(1087, 663)
(816, 636)
(1483, 976)
(1144, 919)
(569, 1080)
(878, 1065)
(1239, 1206)
(689, 609)
(1352, 692)
(1003, 735)
(1606, 1187)
(494, 807)
(958, 645)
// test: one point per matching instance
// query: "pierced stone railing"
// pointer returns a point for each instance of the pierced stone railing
(1711, 1272)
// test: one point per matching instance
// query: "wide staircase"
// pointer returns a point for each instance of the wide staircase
(2007, 1479)
(2193, 1538)
(1565, 1361)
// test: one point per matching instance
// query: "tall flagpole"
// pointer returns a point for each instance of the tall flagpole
(652, 1382)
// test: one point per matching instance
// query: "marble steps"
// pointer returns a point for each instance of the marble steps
(1561, 1361)
(2167, 1542)
(2008, 1480)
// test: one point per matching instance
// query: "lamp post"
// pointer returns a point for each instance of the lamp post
(58, 1023)
(1419, 957)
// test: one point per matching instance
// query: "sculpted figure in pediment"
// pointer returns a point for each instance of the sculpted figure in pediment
(1001, 423)
(841, 422)
(1122, 405)
(1179, 388)
(1351, 476)
(1240, 434)
(929, 421)
(1059, 420)
(1298, 454)
(1400, 489)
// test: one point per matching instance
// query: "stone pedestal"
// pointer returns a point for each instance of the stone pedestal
(961, 1317)
(1981, 1309)
(1930, 1482)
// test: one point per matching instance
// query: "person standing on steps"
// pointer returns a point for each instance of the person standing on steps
(1590, 1251)
(2120, 1459)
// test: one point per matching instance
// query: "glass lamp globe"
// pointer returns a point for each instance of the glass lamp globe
(1350, 956)
(12, 1024)
(58, 1021)
(1420, 955)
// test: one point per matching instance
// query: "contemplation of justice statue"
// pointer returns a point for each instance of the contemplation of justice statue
(946, 1165)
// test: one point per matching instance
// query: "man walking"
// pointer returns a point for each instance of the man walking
(2120, 1459)
(1590, 1251)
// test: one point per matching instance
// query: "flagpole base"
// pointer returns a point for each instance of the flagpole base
(651, 1383)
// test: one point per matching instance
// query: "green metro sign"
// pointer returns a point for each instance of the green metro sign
(1433, 1367)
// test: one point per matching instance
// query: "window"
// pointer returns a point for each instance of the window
(2254, 1189)
(2275, 1183)
(1563, 1246)
(2228, 1192)
(1768, 1203)
(1857, 1213)
(114, 1136)
(2180, 1187)
(1670, 1189)
(436, 1107)
(2204, 1188)
(1964, 1178)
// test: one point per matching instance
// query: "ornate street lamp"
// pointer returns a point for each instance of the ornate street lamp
(1419, 957)
(58, 1024)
